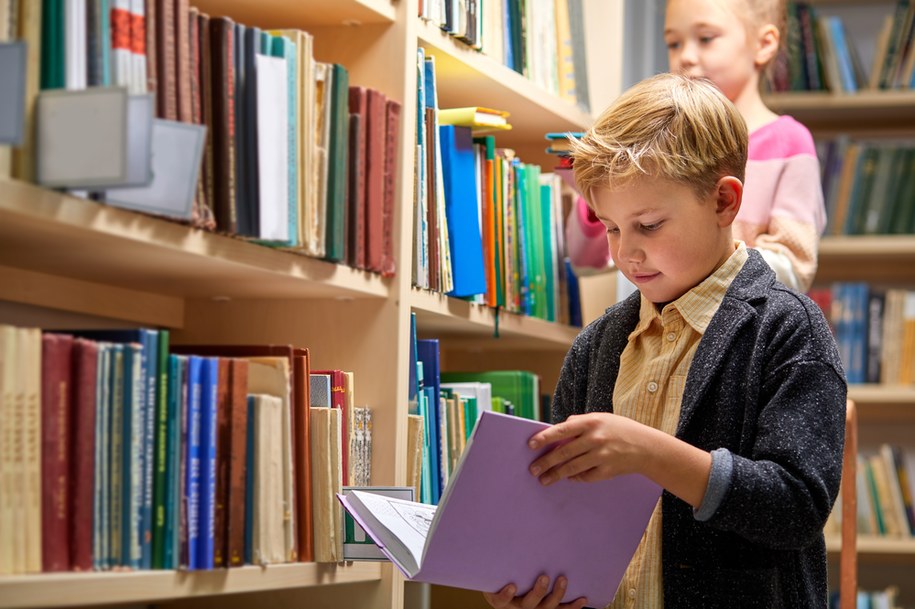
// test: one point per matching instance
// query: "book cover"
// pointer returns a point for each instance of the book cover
(209, 382)
(586, 532)
(82, 451)
(56, 362)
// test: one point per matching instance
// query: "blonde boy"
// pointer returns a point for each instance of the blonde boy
(714, 380)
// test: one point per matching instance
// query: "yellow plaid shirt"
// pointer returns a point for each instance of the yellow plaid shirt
(653, 369)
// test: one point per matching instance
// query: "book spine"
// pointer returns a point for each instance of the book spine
(237, 449)
(160, 457)
(223, 448)
(151, 380)
(56, 362)
(391, 140)
(192, 464)
(207, 485)
(83, 443)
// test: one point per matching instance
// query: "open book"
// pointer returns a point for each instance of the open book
(496, 524)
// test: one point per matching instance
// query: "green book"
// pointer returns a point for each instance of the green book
(520, 387)
(335, 235)
(160, 456)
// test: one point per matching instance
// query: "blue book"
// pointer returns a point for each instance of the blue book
(192, 470)
(461, 213)
(209, 379)
(574, 296)
(427, 351)
(843, 55)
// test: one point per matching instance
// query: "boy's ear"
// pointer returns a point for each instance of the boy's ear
(767, 44)
(728, 196)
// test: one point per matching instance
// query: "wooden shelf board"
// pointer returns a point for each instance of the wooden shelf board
(442, 317)
(852, 112)
(72, 589)
(465, 77)
(874, 549)
(879, 259)
(883, 403)
(49, 232)
(300, 14)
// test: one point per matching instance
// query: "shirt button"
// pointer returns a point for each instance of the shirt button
(631, 592)
(671, 336)
(652, 387)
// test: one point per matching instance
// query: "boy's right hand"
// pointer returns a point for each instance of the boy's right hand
(538, 597)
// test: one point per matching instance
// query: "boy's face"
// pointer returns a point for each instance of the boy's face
(707, 38)
(664, 238)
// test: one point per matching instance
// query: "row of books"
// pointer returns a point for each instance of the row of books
(121, 451)
(487, 225)
(295, 156)
(874, 329)
(868, 186)
(871, 599)
(884, 484)
(446, 406)
(820, 54)
(542, 39)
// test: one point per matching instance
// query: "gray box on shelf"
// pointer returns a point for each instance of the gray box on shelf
(93, 138)
(177, 150)
(12, 93)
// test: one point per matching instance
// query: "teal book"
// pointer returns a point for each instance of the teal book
(337, 175)
(101, 475)
(169, 510)
(53, 50)
(160, 454)
(132, 454)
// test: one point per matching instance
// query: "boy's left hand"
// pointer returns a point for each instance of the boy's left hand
(589, 447)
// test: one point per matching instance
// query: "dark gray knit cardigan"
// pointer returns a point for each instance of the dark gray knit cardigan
(767, 385)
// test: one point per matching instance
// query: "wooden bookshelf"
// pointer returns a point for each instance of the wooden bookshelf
(884, 403)
(285, 14)
(883, 259)
(466, 77)
(874, 111)
(464, 322)
(73, 589)
(878, 550)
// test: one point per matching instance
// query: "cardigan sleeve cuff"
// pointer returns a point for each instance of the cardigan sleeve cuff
(718, 482)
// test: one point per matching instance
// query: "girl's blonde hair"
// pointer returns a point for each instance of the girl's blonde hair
(668, 126)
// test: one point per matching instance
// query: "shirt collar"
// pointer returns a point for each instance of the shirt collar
(697, 306)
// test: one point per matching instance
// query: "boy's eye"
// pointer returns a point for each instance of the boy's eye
(673, 45)
(612, 230)
(650, 227)
(706, 39)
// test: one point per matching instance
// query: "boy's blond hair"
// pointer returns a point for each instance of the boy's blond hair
(668, 126)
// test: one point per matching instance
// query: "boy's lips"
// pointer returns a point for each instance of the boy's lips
(643, 277)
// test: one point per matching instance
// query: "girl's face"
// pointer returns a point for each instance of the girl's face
(707, 38)
(664, 238)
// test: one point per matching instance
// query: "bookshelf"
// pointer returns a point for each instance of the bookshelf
(886, 413)
(66, 262)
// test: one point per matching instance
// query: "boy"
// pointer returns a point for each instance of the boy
(715, 381)
(731, 43)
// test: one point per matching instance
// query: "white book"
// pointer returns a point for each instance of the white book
(267, 524)
(273, 147)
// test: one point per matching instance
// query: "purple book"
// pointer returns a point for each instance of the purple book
(496, 524)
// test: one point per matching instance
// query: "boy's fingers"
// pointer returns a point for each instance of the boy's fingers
(555, 462)
(502, 598)
(536, 595)
(554, 433)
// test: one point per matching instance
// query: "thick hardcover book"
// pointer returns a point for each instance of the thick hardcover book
(374, 179)
(56, 358)
(222, 57)
(302, 430)
(326, 461)
(391, 140)
(336, 167)
(358, 107)
(182, 59)
(166, 60)
(338, 401)
(237, 458)
(82, 452)
(587, 532)
(267, 539)
(209, 382)
(160, 459)
(223, 444)
(192, 467)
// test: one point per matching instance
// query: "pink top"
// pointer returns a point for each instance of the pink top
(782, 214)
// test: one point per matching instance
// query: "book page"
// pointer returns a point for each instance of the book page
(406, 521)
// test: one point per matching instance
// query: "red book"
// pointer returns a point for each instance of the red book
(82, 451)
(358, 108)
(56, 357)
(391, 139)
(183, 60)
(223, 446)
(305, 501)
(166, 61)
(374, 180)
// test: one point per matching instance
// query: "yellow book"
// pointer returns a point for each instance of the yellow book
(474, 117)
